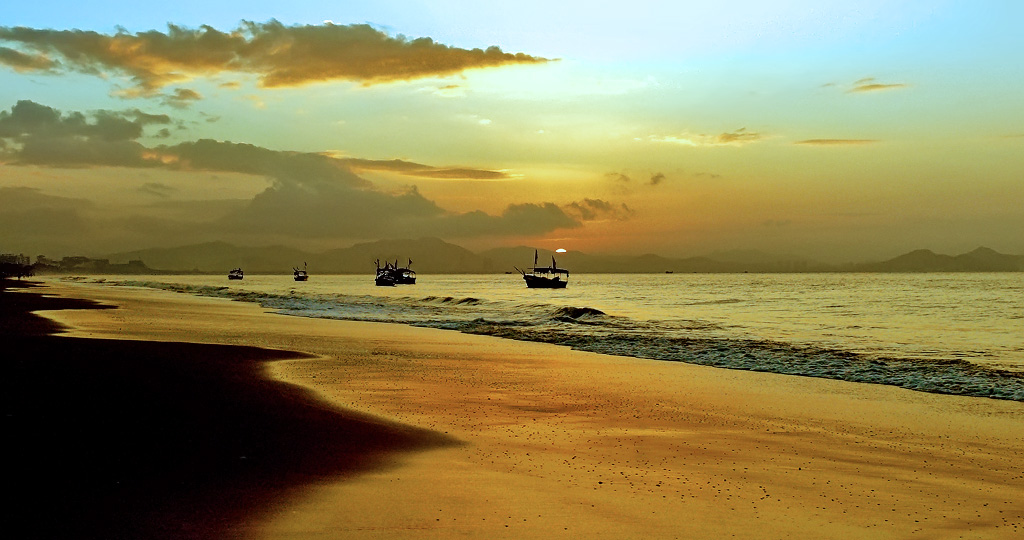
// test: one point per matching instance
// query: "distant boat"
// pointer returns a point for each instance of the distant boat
(551, 277)
(384, 280)
(391, 274)
(300, 275)
(236, 274)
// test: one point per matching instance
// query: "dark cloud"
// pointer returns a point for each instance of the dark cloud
(278, 55)
(303, 168)
(80, 152)
(516, 219)
(181, 98)
(312, 195)
(31, 118)
(620, 178)
(42, 135)
(324, 210)
(339, 211)
(19, 61)
(598, 210)
(28, 119)
(409, 168)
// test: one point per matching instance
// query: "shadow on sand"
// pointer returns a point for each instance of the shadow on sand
(132, 439)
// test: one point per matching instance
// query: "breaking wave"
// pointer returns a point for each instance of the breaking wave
(590, 329)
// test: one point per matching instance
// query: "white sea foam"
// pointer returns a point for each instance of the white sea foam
(946, 333)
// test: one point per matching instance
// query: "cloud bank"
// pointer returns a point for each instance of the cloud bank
(312, 195)
(278, 55)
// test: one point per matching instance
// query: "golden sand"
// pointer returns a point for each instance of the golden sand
(567, 444)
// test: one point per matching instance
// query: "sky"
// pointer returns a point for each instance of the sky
(837, 131)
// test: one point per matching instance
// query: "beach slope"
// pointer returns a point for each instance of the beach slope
(114, 438)
(528, 440)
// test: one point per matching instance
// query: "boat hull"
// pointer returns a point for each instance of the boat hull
(536, 282)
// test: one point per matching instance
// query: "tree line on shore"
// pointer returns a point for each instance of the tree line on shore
(15, 266)
(19, 266)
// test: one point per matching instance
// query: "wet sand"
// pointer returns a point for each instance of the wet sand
(112, 438)
(503, 439)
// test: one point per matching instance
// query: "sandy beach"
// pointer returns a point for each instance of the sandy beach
(239, 423)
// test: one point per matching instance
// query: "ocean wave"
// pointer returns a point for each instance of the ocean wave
(715, 302)
(590, 329)
(577, 312)
(957, 377)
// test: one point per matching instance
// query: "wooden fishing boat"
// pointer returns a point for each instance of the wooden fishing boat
(551, 277)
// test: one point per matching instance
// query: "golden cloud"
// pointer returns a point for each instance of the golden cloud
(739, 137)
(279, 55)
(869, 85)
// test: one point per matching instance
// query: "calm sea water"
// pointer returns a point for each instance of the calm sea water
(946, 333)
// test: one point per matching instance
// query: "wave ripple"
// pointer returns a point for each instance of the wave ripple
(590, 329)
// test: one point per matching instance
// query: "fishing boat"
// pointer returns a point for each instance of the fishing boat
(391, 274)
(236, 274)
(404, 276)
(551, 277)
(384, 279)
(300, 275)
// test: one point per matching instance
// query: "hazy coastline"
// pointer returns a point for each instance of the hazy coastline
(432, 255)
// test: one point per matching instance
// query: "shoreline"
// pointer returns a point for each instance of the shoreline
(115, 438)
(567, 443)
(920, 360)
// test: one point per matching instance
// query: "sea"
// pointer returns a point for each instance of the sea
(950, 333)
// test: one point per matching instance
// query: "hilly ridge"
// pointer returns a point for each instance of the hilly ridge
(435, 256)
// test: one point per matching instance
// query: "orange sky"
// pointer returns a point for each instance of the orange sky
(811, 128)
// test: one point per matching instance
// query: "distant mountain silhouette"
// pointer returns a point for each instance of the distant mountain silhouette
(435, 256)
(429, 255)
(576, 261)
(218, 257)
(923, 260)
